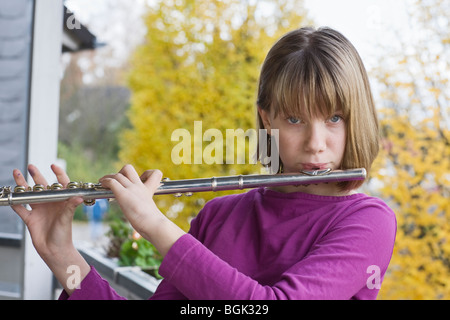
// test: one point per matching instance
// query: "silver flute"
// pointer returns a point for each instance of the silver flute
(90, 191)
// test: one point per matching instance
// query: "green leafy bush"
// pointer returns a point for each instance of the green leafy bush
(131, 249)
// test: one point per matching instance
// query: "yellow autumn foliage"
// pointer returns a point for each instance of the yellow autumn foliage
(199, 64)
(413, 167)
(418, 191)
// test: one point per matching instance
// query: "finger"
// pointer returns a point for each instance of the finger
(61, 175)
(129, 172)
(111, 183)
(146, 175)
(19, 178)
(152, 179)
(37, 175)
(68, 211)
(120, 178)
(22, 212)
(71, 205)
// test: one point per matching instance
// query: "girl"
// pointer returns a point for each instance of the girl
(322, 241)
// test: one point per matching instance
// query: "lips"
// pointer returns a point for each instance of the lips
(315, 166)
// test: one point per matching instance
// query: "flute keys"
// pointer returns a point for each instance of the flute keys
(90, 202)
(88, 185)
(56, 186)
(73, 185)
(19, 189)
(38, 188)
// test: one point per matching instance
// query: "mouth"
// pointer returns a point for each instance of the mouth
(315, 166)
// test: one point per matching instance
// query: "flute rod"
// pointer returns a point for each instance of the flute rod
(90, 192)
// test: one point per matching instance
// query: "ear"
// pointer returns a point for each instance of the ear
(265, 117)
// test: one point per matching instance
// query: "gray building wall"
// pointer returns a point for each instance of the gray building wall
(31, 39)
(16, 29)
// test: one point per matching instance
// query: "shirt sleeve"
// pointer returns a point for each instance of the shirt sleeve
(337, 267)
(166, 290)
(92, 287)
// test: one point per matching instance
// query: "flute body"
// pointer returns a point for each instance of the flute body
(89, 191)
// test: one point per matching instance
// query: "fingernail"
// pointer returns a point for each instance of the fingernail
(31, 171)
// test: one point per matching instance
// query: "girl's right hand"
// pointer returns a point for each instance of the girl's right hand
(50, 227)
(50, 224)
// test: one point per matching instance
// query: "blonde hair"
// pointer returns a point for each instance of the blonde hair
(318, 72)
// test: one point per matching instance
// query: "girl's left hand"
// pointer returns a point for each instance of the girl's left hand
(134, 195)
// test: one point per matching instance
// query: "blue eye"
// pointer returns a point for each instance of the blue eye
(293, 120)
(335, 119)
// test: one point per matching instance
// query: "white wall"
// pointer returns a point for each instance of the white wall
(43, 130)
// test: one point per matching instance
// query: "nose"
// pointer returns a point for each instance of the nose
(315, 141)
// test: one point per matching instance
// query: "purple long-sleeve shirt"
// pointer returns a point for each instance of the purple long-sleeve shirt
(264, 244)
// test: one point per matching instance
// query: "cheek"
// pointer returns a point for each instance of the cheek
(337, 141)
(289, 145)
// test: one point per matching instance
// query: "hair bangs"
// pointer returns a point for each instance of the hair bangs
(308, 90)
